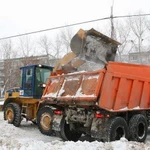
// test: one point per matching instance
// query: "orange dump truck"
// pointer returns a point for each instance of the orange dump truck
(105, 104)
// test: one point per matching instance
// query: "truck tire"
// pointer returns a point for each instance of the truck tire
(58, 134)
(116, 128)
(12, 113)
(66, 133)
(44, 120)
(138, 128)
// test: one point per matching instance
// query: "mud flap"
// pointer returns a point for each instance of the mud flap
(56, 122)
(98, 129)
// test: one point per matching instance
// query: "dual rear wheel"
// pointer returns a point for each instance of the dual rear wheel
(136, 130)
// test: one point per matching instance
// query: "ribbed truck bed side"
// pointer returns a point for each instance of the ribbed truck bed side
(125, 87)
(74, 87)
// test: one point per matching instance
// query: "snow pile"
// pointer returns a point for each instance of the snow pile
(16, 144)
(28, 137)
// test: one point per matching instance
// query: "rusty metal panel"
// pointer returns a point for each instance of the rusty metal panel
(53, 87)
(70, 85)
(82, 86)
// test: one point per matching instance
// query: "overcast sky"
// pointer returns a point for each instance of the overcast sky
(20, 16)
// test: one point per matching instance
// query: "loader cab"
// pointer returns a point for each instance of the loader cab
(32, 78)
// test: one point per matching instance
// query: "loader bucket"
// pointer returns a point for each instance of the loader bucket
(69, 63)
(91, 50)
(91, 45)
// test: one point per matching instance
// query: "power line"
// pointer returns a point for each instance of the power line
(127, 16)
(74, 24)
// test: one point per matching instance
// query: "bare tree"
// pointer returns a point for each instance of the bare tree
(56, 47)
(7, 49)
(66, 36)
(123, 34)
(9, 72)
(27, 49)
(46, 45)
(138, 27)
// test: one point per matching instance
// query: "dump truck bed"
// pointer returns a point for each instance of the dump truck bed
(125, 87)
(118, 87)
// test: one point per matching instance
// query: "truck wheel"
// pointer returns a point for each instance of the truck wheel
(44, 120)
(116, 128)
(66, 133)
(12, 113)
(138, 128)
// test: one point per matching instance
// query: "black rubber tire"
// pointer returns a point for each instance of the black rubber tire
(87, 138)
(16, 112)
(58, 134)
(116, 128)
(66, 133)
(45, 114)
(138, 128)
(34, 122)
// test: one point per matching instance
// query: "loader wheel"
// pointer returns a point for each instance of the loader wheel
(66, 133)
(116, 128)
(44, 120)
(12, 113)
(138, 128)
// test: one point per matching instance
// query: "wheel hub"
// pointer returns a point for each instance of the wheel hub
(9, 115)
(46, 121)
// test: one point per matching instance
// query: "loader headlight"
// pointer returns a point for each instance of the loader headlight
(43, 85)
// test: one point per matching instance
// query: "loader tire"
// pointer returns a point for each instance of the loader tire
(66, 133)
(138, 128)
(12, 113)
(44, 120)
(116, 128)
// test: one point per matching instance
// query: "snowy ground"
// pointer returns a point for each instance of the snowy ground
(28, 137)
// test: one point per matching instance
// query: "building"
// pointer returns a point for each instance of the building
(1, 76)
(135, 57)
(10, 73)
(140, 57)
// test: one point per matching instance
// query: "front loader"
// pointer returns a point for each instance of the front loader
(23, 102)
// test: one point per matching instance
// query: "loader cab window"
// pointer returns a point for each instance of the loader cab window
(41, 76)
(21, 78)
(28, 81)
(32, 77)
(28, 78)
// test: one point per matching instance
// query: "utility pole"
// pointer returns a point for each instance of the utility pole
(112, 23)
